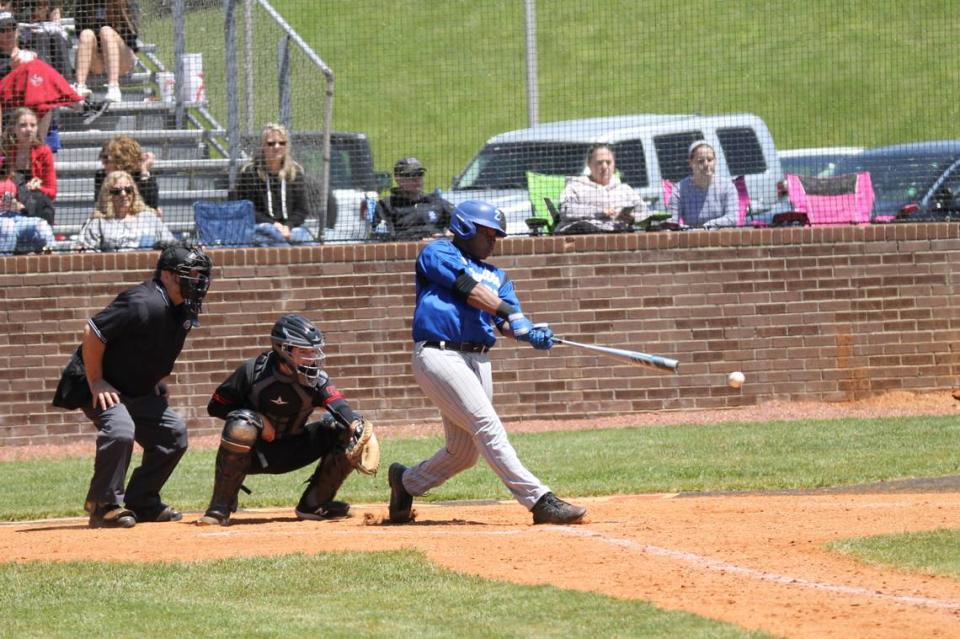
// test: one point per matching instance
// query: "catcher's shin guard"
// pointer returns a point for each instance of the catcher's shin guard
(233, 462)
(317, 500)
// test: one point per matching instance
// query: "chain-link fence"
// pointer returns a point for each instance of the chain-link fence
(713, 114)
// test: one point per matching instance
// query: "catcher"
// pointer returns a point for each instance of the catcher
(266, 403)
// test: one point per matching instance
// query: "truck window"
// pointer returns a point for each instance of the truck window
(505, 166)
(631, 163)
(672, 153)
(742, 150)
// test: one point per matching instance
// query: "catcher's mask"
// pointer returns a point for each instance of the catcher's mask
(192, 268)
(299, 344)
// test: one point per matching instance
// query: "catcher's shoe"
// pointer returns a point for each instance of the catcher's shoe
(214, 518)
(327, 510)
(552, 510)
(112, 516)
(401, 502)
(161, 513)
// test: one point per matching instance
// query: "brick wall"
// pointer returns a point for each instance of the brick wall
(812, 313)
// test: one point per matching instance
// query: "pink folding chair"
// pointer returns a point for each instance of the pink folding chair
(840, 199)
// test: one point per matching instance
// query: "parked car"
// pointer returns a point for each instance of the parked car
(648, 148)
(919, 180)
(352, 180)
(815, 162)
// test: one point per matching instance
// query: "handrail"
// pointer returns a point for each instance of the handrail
(233, 116)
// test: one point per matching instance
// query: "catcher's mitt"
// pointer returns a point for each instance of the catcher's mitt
(363, 449)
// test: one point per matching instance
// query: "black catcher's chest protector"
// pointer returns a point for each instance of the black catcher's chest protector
(283, 400)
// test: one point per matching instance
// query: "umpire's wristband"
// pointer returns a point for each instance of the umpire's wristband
(505, 310)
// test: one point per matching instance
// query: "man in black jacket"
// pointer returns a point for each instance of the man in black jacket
(410, 213)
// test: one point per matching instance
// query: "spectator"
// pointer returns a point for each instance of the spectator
(121, 220)
(411, 214)
(116, 22)
(43, 34)
(599, 202)
(699, 201)
(20, 233)
(29, 162)
(116, 377)
(275, 184)
(28, 81)
(123, 153)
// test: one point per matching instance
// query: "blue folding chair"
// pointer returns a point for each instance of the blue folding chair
(224, 223)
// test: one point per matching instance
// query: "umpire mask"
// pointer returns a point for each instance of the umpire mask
(192, 268)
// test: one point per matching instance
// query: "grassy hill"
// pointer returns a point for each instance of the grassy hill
(437, 78)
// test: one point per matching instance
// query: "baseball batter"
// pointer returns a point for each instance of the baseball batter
(460, 298)
(265, 405)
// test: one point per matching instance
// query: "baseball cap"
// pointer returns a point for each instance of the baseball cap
(7, 20)
(408, 167)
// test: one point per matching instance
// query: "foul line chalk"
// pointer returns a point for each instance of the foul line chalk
(762, 575)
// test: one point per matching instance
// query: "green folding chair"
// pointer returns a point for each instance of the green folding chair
(542, 187)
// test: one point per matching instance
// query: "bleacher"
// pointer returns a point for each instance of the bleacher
(185, 168)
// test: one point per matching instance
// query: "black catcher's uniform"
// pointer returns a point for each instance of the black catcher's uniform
(260, 387)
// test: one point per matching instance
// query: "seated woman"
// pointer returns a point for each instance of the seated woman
(116, 22)
(276, 186)
(20, 233)
(121, 220)
(700, 201)
(599, 202)
(29, 162)
(123, 153)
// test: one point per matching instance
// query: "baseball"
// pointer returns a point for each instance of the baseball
(736, 379)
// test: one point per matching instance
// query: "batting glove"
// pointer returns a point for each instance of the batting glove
(541, 337)
(520, 326)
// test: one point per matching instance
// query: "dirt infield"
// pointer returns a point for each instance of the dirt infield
(756, 560)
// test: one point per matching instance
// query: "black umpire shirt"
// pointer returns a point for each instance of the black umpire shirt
(144, 333)
(260, 386)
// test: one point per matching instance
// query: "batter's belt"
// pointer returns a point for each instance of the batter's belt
(463, 347)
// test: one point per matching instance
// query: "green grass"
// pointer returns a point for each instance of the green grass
(386, 594)
(936, 552)
(804, 454)
(436, 79)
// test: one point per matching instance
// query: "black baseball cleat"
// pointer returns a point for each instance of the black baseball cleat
(160, 514)
(112, 516)
(214, 518)
(550, 509)
(327, 510)
(401, 502)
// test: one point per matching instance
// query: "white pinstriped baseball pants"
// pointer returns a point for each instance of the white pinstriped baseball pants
(461, 385)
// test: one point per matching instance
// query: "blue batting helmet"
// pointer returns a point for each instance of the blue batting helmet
(472, 213)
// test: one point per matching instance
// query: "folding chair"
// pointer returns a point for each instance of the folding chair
(224, 223)
(840, 199)
(542, 187)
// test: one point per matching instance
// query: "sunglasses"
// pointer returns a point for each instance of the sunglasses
(119, 190)
(277, 143)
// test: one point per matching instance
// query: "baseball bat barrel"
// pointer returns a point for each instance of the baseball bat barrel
(631, 357)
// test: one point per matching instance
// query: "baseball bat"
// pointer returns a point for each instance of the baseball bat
(631, 357)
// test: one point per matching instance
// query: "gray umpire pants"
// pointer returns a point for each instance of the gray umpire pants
(461, 385)
(162, 434)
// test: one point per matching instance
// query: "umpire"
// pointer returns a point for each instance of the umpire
(115, 377)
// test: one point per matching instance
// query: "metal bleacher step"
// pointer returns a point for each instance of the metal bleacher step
(98, 137)
(87, 168)
(85, 197)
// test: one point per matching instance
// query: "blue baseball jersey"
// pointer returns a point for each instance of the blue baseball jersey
(442, 316)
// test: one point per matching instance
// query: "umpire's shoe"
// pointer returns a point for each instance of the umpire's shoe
(401, 502)
(332, 509)
(112, 516)
(214, 518)
(550, 509)
(161, 513)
